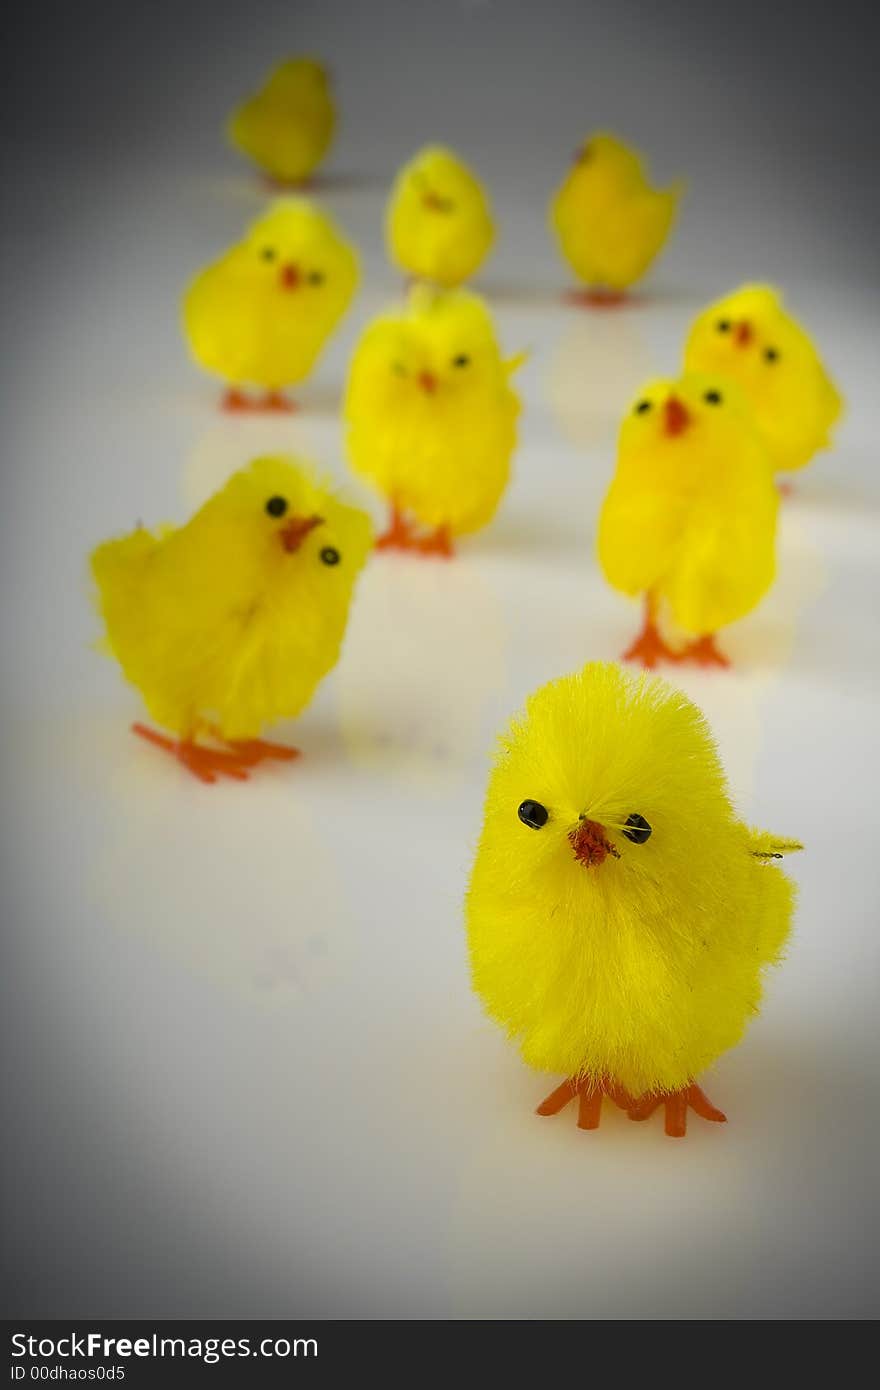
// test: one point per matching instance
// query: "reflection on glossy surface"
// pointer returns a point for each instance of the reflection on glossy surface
(423, 658)
(595, 368)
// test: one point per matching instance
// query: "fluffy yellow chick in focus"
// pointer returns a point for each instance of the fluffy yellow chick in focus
(610, 223)
(619, 914)
(431, 417)
(690, 517)
(261, 315)
(438, 224)
(286, 128)
(229, 622)
(748, 335)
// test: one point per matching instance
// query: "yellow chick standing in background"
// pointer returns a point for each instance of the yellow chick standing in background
(749, 336)
(229, 622)
(261, 314)
(609, 222)
(619, 915)
(431, 417)
(690, 517)
(287, 127)
(438, 223)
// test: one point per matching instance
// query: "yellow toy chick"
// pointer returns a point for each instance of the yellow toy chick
(749, 336)
(438, 223)
(690, 517)
(431, 417)
(228, 623)
(287, 127)
(261, 314)
(619, 914)
(610, 222)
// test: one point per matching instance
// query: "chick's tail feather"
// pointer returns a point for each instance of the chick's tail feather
(764, 845)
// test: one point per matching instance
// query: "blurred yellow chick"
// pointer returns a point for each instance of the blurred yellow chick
(438, 223)
(261, 314)
(286, 128)
(609, 221)
(619, 914)
(229, 622)
(431, 417)
(749, 336)
(690, 517)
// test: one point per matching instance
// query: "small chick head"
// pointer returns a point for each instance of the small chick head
(749, 336)
(436, 356)
(300, 77)
(606, 156)
(606, 793)
(281, 538)
(686, 424)
(295, 249)
(439, 222)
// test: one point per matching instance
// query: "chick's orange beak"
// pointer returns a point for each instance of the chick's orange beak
(289, 277)
(675, 417)
(590, 843)
(294, 531)
(743, 333)
(428, 382)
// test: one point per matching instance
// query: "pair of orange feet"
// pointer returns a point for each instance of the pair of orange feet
(597, 298)
(590, 1098)
(649, 648)
(207, 763)
(238, 403)
(402, 535)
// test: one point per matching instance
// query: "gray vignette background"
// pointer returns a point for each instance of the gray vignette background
(203, 1118)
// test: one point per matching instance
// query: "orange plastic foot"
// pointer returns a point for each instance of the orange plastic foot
(204, 763)
(235, 400)
(677, 1105)
(704, 652)
(590, 1094)
(438, 543)
(786, 489)
(649, 647)
(399, 535)
(275, 401)
(256, 750)
(597, 298)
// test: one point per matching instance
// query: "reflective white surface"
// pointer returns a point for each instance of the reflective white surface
(251, 1077)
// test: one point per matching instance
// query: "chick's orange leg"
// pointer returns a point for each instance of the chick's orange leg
(676, 1106)
(589, 1095)
(399, 534)
(438, 543)
(204, 763)
(597, 298)
(256, 750)
(278, 403)
(649, 647)
(704, 652)
(235, 401)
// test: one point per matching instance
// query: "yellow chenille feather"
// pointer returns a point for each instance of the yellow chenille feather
(230, 621)
(691, 512)
(430, 412)
(609, 222)
(263, 312)
(438, 223)
(286, 128)
(639, 970)
(749, 336)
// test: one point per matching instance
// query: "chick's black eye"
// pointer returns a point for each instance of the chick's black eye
(642, 407)
(330, 555)
(712, 398)
(771, 355)
(723, 325)
(316, 277)
(533, 814)
(462, 360)
(637, 829)
(398, 369)
(268, 253)
(276, 506)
